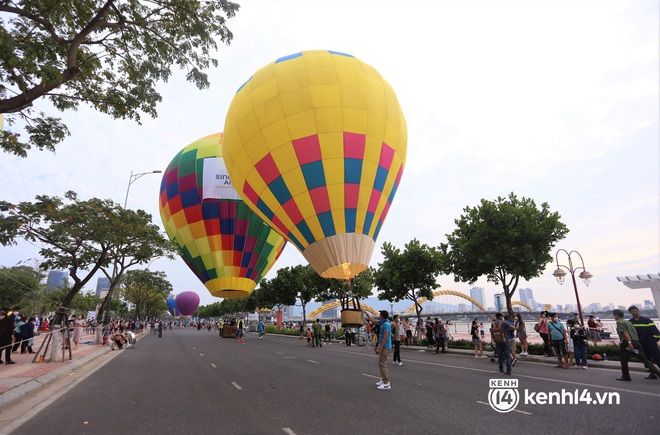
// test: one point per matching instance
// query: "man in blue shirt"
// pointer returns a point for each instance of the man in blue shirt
(559, 336)
(383, 347)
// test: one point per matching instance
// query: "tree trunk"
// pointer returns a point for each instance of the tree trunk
(56, 344)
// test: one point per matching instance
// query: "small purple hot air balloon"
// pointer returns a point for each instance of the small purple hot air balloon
(187, 303)
(171, 307)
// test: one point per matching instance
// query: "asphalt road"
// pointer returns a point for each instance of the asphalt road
(191, 381)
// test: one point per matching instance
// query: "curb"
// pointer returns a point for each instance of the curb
(21, 390)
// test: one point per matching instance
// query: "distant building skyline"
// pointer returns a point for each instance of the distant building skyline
(56, 279)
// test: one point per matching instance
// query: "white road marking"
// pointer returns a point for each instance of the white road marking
(214, 366)
(514, 410)
(236, 386)
(370, 376)
(201, 354)
(288, 431)
(582, 384)
(281, 353)
(312, 361)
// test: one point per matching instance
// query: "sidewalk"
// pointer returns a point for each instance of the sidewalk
(18, 379)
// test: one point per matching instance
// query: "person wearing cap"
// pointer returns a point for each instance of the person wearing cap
(648, 335)
(629, 347)
(383, 347)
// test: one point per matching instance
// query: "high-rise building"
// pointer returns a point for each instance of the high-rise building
(102, 287)
(477, 293)
(526, 295)
(57, 279)
(329, 314)
(500, 302)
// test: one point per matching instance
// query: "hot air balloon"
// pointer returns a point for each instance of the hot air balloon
(223, 242)
(187, 303)
(315, 144)
(171, 307)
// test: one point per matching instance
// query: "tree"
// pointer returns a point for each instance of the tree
(347, 292)
(146, 289)
(138, 243)
(410, 274)
(108, 54)
(505, 240)
(20, 285)
(81, 236)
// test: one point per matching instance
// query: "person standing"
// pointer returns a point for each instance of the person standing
(439, 332)
(27, 335)
(383, 347)
(522, 335)
(396, 340)
(17, 331)
(476, 340)
(316, 339)
(648, 335)
(499, 331)
(6, 334)
(78, 328)
(579, 336)
(594, 330)
(557, 332)
(261, 328)
(629, 346)
(407, 326)
(542, 328)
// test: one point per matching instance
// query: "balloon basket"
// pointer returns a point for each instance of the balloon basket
(229, 331)
(351, 318)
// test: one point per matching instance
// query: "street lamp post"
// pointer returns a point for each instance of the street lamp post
(560, 275)
(134, 177)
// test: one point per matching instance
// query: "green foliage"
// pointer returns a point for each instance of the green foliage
(505, 240)
(83, 237)
(107, 54)
(410, 274)
(147, 290)
(20, 285)
(360, 287)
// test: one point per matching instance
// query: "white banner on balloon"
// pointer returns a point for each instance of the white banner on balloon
(217, 184)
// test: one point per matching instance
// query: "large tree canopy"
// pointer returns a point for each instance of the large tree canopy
(505, 240)
(83, 237)
(108, 54)
(147, 290)
(410, 274)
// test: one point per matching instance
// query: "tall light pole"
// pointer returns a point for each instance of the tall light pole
(561, 275)
(134, 177)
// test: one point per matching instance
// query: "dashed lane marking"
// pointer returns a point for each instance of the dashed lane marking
(312, 361)
(213, 366)
(236, 386)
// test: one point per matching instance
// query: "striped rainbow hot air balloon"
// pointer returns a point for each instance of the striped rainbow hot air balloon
(223, 242)
(315, 143)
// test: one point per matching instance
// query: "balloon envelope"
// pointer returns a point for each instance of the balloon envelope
(223, 242)
(187, 303)
(171, 306)
(315, 143)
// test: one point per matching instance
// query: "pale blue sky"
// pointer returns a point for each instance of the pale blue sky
(557, 101)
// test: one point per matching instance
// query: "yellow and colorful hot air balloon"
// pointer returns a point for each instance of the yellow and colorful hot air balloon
(223, 242)
(315, 144)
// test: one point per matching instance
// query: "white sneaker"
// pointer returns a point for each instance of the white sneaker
(400, 363)
(384, 386)
(379, 383)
